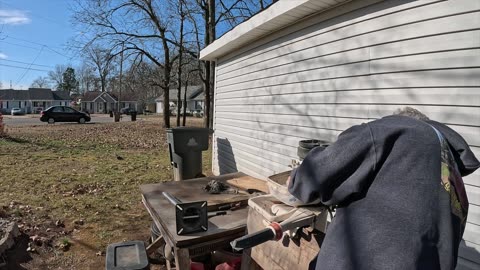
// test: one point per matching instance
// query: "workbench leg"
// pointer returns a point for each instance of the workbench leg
(168, 264)
(182, 259)
(155, 245)
(247, 262)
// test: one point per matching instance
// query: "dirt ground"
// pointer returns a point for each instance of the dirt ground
(73, 189)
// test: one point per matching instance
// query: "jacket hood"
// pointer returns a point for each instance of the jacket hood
(466, 160)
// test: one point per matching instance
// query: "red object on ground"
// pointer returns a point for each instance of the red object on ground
(196, 266)
(231, 265)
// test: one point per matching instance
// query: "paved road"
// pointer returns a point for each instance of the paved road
(28, 120)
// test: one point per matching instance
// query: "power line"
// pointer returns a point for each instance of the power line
(35, 69)
(32, 42)
(20, 62)
(40, 44)
(28, 69)
(16, 44)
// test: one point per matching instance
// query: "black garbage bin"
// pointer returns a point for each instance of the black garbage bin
(111, 113)
(117, 116)
(133, 115)
(185, 145)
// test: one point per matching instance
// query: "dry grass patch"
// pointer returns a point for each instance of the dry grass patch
(87, 178)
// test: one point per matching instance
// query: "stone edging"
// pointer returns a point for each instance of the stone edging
(8, 239)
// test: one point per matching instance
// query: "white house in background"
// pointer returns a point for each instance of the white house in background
(32, 100)
(195, 99)
(310, 69)
(104, 102)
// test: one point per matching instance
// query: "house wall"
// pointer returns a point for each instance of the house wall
(159, 107)
(347, 66)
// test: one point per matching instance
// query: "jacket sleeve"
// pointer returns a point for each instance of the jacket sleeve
(342, 170)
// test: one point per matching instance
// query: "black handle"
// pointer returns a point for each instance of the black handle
(253, 239)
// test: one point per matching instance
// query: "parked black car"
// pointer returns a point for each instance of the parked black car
(63, 114)
(127, 111)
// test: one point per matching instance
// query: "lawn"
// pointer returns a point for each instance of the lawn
(75, 188)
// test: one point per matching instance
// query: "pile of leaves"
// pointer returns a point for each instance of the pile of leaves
(125, 135)
(90, 188)
(40, 228)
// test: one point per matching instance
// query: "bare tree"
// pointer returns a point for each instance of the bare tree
(207, 16)
(101, 59)
(41, 82)
(56, 75)
(147, 28)
(85, 77)
(141, 26)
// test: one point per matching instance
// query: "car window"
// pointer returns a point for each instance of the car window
(57, 109)
(69, 110)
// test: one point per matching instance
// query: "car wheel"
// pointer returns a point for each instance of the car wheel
(81, 120)
(51, 120)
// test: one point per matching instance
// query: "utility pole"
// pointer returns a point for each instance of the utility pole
(121, 70)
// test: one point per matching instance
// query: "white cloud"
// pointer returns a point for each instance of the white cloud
(3, 56)
(11, 16)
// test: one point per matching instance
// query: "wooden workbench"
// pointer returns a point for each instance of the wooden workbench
(221, 229)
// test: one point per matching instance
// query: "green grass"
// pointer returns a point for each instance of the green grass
(71, 172)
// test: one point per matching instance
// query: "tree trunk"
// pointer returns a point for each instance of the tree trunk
(166, 72)
(185, 103)
(209, 72)
(180, 52)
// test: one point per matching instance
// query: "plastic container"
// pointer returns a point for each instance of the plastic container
(305, 146)
(277, 186)
(127, 255)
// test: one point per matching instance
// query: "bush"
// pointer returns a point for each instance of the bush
(3, 132)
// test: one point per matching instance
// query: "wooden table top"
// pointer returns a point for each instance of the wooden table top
(191, 190)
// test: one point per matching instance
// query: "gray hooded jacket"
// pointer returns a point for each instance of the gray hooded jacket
(394, 209)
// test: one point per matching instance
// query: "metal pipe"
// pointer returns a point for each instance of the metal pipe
(171, 198)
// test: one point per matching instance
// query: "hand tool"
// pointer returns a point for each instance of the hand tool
(274, 231)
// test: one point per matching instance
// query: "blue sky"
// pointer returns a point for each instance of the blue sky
(33, 39)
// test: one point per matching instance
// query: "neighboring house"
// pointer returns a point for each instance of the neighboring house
(32, 100)
(104, 102)
(311, 69)
(151, 105)
(195, 98)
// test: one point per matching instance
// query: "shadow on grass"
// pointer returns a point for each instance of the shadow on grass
(84, 244)
(16, 140)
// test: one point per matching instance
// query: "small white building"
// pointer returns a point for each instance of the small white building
(308, 69)
(195, 99)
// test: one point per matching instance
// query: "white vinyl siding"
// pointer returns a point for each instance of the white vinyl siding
(320, 76)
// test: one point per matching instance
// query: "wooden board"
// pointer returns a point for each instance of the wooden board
(284, 254)
(163, 212)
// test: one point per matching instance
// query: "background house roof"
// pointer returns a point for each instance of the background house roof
(10, 94)
(193, 91)
(61, 95)
(277, 16)
(92, 96)
(40, 94)
(34, 94)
